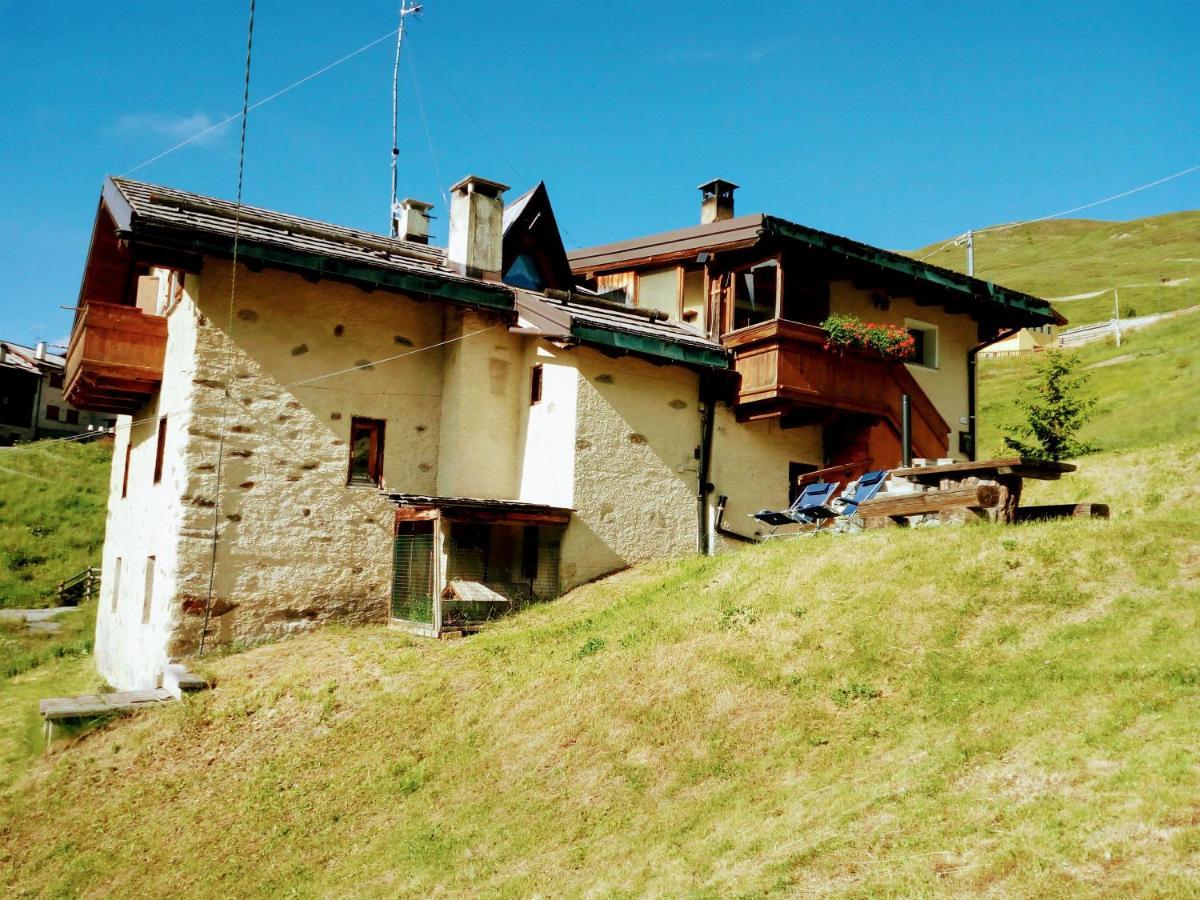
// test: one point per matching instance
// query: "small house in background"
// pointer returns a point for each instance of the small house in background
(32, 405)
(1026, 340)
(356, 428)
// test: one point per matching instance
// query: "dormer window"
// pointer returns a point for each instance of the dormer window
(525, 273)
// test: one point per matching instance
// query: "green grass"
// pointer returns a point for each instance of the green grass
(52, 507)
(1073, 256)
(1148, 396)
(1009, 710)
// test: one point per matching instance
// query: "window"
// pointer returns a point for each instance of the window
(925, 348)
(52, 413)
(755, 294)
(535, 385)
(796, 471)
(125, 474)
(56, 380)
(116, 588)
(72, 417)
(148, 597)
(659, 289)
(366, 451)
(525, 273)
(160, 449)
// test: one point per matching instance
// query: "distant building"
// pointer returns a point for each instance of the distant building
(1027, 340)
(31, 397)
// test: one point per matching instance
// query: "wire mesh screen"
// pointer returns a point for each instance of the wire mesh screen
(492, 571)
(413, 573)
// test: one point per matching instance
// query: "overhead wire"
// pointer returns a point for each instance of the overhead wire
(1066, 212)
(229, 350)
(265, 100)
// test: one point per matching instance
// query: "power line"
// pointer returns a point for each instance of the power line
(237, 234)
(279, 93)
(1066, 212)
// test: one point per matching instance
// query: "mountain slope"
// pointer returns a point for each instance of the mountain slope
(1009, 710)
(1155, 262)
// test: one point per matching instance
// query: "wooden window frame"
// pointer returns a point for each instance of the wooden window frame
(730, 290)
(148, 592)
(52, 412)
(125, 472)
(160, 449)
(536, 384)
(928, 328)
(378, 429)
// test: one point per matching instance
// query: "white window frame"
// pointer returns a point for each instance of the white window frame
(930, 330)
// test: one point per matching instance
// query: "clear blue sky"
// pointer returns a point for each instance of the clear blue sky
(894, 123)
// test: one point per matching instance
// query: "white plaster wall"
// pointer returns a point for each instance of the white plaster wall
(637, 429)
(946, 386)
(548, 428)
(750, 465)
(130, 653)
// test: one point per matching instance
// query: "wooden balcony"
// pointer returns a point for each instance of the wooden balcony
(115, 358)
(785, 370)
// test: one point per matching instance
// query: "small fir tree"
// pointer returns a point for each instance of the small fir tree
(1055, 408)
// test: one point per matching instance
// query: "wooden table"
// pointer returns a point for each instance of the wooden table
(1007, 474)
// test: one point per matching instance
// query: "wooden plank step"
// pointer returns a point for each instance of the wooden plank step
(87, 706)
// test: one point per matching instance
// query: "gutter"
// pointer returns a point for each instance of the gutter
(972, 400)
(703, 487)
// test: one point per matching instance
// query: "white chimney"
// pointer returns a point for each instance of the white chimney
(40, 351)
(412, 220)
(477, 227)
(716, 201)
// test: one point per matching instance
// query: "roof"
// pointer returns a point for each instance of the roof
(613, 325)
(18, 356)
(745, 231)
(481, 506)
(193, 222)
(157, 218)
(742, 231)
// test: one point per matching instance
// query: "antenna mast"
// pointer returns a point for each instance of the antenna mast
(406, 9)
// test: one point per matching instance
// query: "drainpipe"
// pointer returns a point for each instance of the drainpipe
(37, 402)
(972, 370)
(905, 431)
(707, 402)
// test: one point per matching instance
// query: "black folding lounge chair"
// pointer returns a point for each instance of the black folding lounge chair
(808, 509)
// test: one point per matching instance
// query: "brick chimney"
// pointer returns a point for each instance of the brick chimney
(477, 227)
(716, 201)
(412, 220)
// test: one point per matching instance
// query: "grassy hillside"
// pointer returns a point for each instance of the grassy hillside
(1147, 388)
(1009, 710)
(52, 509)
(1155, 262)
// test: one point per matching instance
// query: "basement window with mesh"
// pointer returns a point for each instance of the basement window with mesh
(366, 452)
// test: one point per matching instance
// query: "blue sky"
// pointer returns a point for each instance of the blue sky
(897, 124)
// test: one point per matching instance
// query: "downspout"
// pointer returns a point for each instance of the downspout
(37, 402)
(972, 370)
(707, 401)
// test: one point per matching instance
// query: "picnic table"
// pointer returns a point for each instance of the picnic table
(987, 487)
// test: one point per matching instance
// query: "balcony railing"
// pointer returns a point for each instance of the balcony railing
(115, 358)
(785, 368)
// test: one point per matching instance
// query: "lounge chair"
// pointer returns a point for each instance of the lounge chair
(809, 509)
(847, 510)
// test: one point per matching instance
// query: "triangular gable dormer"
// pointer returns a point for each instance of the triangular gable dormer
(534, 256)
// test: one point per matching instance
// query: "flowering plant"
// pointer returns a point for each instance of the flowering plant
(852, 333)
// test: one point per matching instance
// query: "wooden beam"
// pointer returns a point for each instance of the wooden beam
(979, 496)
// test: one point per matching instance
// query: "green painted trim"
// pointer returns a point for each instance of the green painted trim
(976, 289)
(651, 346)
(499, 297)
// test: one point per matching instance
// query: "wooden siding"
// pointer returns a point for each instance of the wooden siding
(115, 358)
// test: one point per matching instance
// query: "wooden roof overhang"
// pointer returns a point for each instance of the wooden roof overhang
(180, 239)
(991, 305)
(414, 507)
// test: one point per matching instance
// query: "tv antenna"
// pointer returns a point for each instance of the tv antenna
(406, 9)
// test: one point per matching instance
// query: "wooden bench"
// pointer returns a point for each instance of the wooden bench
(1007, 473)
(884, 510)
(95, 706)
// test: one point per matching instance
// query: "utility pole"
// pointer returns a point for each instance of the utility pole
(1117, 314)
(971, 254)
(406, 10)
